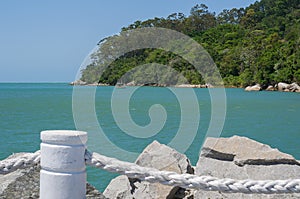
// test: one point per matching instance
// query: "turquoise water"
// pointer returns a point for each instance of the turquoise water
(27, 109)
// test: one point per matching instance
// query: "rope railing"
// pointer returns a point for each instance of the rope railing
(152, 175)
(19, 162)
(63, 161)
(206, 183)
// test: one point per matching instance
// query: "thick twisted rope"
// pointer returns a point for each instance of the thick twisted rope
(21, 161)
(207, 183)
(151, 175)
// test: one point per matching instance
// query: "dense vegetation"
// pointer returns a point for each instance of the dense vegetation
(257, 44)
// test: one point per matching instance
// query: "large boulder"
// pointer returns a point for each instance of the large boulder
(294, 87)
(25, 183)
(157, 156)
(256, 87)
(242, 158)
(283, 86)
(132, 83)
(242, 150)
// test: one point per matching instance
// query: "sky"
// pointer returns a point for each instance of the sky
(46, 41)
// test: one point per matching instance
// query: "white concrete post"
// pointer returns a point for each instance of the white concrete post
(63, 174)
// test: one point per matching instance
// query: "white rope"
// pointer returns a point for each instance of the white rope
(20, 161)
(151, 175)
(207, 183)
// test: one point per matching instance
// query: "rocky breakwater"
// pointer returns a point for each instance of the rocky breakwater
(236, 157)
(25, 183)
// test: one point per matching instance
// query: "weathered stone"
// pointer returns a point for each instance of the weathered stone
(270, 88)
(93, 193)
(283, 86)
(78, 82)
(25, 183)
(242, 158)
(207, 85)
(256, 87)
(187, 86)
(93, 84)
(294, 87)
(119, 187)
(132, 83)
(242, 150)
(157, 156)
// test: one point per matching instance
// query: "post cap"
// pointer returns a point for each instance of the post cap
(68, 137)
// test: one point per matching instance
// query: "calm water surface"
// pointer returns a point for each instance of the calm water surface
(27, 109)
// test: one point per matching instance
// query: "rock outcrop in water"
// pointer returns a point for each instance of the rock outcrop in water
(256, 87)
(78, 82)
(281, 86)
(270, 88)
(294, 87)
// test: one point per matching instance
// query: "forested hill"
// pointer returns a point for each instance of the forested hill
(257, 44)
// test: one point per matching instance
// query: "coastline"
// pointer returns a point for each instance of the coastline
(281, 86)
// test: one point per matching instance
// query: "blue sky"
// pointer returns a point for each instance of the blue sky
(47, 41)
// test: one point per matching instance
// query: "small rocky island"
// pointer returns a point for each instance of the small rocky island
(235, 157)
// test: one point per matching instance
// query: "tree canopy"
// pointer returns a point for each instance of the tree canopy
(257, 44)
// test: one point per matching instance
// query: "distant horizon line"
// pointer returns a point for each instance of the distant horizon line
(37, 82)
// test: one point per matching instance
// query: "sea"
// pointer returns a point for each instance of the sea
(26, 109)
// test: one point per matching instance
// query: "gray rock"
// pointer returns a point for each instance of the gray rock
(242, 150)
(119, 187)
(187, 86)
(243, 158)
(132, 83)
(270, 88)
(25, 183)
(78, 82)
(157, 156)
(294, 87)
(282, 86)
(256, 87)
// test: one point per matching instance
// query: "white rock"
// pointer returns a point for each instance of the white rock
(78, 82)
(294, 87)
(270, 88)
(282, 86)
(242, 158)
(242, 150)
(256, 87)
(157, 156)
